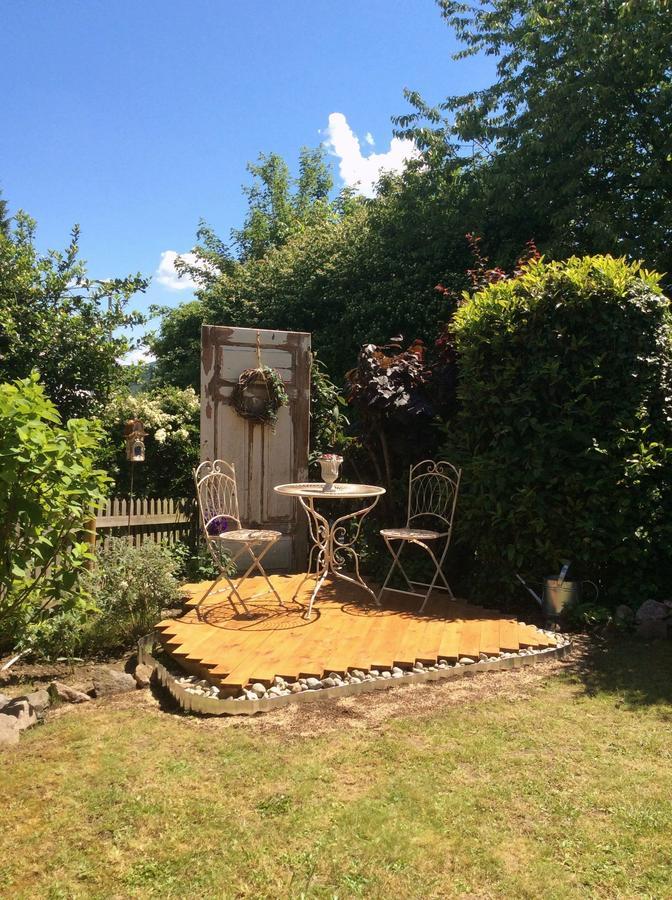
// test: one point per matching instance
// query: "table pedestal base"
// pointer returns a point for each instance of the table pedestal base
(333, 547)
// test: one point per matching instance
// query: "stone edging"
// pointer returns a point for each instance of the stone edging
(213, 706)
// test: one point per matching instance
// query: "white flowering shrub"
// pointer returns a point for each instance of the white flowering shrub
(171, 417)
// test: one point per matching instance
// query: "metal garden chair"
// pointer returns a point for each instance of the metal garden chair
(220, 519)
(432, 496)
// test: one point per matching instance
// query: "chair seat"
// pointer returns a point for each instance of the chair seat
(410, 534)
(249, 535)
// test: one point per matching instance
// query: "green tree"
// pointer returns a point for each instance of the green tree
(4, 216)
(54, 318)
(48, 488)
(362, 274)
(571, 142)
(279, 206)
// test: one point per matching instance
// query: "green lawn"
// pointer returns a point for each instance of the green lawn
(553, 782)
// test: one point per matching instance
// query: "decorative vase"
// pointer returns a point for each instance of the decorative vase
(330, 463)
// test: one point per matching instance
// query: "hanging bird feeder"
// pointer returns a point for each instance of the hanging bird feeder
(134, 436)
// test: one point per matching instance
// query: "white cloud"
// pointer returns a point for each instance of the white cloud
(170, 278)
(368, 137)
(358, 171)
(139, 354)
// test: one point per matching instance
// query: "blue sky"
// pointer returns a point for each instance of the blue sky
(136, 119)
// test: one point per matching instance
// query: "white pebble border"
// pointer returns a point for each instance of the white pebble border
(195, 694)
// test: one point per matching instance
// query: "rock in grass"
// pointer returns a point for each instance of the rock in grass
(9, 730)
(39, 701)
(21, 710)
(59, 691)
(107, 681)
(143, 675)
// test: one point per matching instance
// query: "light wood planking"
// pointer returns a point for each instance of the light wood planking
(344, 633)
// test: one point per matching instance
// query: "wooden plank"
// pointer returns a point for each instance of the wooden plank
(470, 638)
(508, 636)
(449, 644)
(490, 636)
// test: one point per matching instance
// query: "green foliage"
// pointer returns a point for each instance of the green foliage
(4, 217)
(570, 143)
(195, 564)
(48, 489)
(328, 422)
(177, 345)
(55, 318)
(586, 615)
(172, 419)
(279, 206)
(130, 586)
(354, 278)
(564, 427)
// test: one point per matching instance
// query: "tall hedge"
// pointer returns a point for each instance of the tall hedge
(564, 427)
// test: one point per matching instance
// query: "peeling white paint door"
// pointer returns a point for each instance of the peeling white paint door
(262, 458)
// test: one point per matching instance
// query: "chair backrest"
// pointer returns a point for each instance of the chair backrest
(217, 496)
(432, 492)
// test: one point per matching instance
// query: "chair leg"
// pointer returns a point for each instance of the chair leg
(438, 571)
(395, 562)
(223, 576)
(256, 562)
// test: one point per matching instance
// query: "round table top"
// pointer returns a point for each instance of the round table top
(336, 491)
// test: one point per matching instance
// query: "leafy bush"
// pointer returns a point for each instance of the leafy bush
(564, 428)
(129, 586)
(55, 318)
(194, 564)
(48, 490)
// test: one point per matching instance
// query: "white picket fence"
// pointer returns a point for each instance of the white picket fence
(147, 519)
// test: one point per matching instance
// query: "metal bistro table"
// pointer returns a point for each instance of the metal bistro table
(330, 538)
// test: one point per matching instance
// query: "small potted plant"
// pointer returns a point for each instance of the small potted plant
(330, 463)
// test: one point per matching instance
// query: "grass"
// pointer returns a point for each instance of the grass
(562, 789)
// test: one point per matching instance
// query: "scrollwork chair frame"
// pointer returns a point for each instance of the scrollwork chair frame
(433, 488)
(217, 493)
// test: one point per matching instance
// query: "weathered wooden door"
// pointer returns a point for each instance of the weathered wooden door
(262, 458)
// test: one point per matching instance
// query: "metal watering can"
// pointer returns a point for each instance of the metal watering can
(558, 591)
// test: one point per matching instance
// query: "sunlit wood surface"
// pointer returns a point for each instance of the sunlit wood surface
(345, 633)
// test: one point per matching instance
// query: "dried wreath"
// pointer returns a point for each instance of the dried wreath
(247, 402)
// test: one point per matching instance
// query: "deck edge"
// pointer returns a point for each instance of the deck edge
(213, 706)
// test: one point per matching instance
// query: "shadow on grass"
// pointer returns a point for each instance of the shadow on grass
(638, 671)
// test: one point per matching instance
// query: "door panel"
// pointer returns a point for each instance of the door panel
(262, 458)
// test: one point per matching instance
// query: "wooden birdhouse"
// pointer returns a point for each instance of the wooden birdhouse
(134, 435)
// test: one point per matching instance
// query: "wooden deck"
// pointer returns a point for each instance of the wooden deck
(345, 633)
